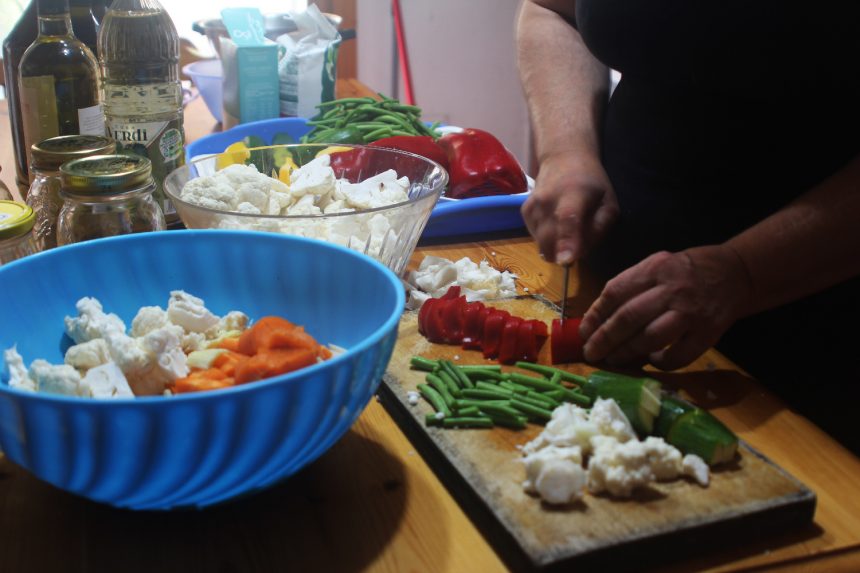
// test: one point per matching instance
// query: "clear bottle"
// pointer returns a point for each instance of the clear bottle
(58, 80)
(16, 237)
(44, 196)
(14, 46)
(107, 195)
(141, 89)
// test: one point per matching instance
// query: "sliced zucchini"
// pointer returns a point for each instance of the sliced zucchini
(638, 398)
(700, 433)
(670, 409)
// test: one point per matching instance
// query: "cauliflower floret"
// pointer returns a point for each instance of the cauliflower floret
(555, 473)
(313, 178)
(477, 281)
(569, 426)
(105, 381)
(211, 192)
(18, 377)
(88, 354)
(696, 468)
(147, 319)
(611, 421)
(377, 191)
(248, 208)
(304, 206)
(55, 379)
(189, 312)
(230, 322)
(665, 459)
(191, 341)
(91, 322)
(149, 363)
(618, 468)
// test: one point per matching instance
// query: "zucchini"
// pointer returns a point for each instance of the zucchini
(638, 398)
(700, 433)
(670, 409)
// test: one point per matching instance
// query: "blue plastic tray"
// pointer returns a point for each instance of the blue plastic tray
(450, 217)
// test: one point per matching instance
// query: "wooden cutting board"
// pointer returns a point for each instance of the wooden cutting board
(483, 471)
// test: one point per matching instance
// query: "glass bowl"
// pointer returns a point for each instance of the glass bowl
(387, 233)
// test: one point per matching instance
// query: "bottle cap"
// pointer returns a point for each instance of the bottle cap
(104, 175)
(16, 219)
(49, 154)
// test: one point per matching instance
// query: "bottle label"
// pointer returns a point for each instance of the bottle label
(163, 142)
(91, 120)
(38, 110)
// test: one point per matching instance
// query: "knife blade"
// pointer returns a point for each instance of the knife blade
(564, 291)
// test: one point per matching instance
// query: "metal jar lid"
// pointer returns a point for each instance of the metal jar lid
(16, 219)
(49, 154)
(102, 175)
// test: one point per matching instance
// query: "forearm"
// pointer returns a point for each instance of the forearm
(807, 246)
(565, 86)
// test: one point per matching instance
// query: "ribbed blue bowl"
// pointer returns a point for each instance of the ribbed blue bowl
(204, 448)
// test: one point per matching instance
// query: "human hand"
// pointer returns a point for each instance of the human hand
(668, 309)
(571, 207)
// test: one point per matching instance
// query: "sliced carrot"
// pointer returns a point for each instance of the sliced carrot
(273, 362)
(231, 344)
(226, 362)
(209, 379)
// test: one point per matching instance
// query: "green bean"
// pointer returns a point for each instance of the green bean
(449, 381)
(483, 374)
(538, 383)
(469, 411)
(421, 363)
(378, 133)
(434, 398)
(344, 101)
(467, 422)
(458, 374)
(479, 368)
(481, 394)
(514, 387)
(537, 396)
(440, 387)
(530, 409)
(492, 387)
(549, 371)
(466, 402)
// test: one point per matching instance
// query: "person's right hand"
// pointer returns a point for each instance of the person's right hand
(571, 207)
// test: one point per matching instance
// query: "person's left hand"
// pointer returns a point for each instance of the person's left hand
(668, 309)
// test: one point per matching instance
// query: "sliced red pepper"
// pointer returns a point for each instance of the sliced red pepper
(452, 319)
(530, 339)
(510, 340)
(566, 343)
(435, 324)
(472, 325)
(491, 337)
(422, 315)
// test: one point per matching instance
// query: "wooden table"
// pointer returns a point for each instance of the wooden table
(372, 504)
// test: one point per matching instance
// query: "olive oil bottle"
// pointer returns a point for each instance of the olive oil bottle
(58, 80)
(85, 25)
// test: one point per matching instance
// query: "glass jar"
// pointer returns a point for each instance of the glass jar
(16, 231)
(107, 195)
(44, 193)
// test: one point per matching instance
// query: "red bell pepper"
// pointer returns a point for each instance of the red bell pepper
(566, 343)
(510, 340)
(479, 165)
(531, 338)
(491, 337)
(357, 164)
(472, 325)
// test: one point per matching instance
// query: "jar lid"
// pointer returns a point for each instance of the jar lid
(105, 174)
(50, 153)
(15, 219)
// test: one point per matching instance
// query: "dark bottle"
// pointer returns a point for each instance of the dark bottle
(14, 46)
(58, 80)
(84, 23)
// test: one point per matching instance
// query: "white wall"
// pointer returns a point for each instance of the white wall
(462, 58)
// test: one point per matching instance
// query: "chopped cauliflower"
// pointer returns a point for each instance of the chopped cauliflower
(105, 381)
(609, 456)
(189, 312)
(151, 362)
(92, 322)
(313, 178)
(55, 379)
(477, 281)
(555, 473)
(88, 354)
(18, 377)
(147, 319)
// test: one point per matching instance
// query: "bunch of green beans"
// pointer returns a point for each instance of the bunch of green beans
(482, 396)
(373, 119)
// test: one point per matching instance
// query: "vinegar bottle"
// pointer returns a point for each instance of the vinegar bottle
(141, 89)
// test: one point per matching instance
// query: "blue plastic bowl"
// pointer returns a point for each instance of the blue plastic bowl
(203, 448)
